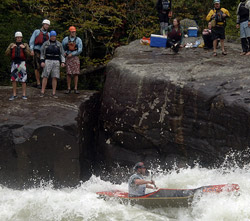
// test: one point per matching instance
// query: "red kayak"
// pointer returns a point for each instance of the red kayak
(168, 197)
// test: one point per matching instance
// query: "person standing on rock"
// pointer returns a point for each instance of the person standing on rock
(136, 183)
(243, 22)
(18, 52)
(164, 13)
(37, 39)
(72, 46)
(52, 54)
(218, 17)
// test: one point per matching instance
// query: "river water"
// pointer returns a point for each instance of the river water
(81, 203)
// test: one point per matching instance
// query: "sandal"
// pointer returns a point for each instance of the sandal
(214, 54)
(224, 53)
(67, 92)
(243, 53)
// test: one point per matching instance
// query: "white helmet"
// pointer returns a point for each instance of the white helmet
(18, 34)
(46, 21)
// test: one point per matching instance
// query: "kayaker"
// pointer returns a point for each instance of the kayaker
(136, 183)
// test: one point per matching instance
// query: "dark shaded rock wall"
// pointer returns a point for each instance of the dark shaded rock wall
(162, 107)
(46, 138)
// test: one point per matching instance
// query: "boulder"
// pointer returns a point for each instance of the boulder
(44, 139)
(174, 108)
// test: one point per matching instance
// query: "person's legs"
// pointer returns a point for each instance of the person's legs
(54, 85)
(222, 44)
(162, 22)
(162, 26)
(244, 45)
(37, 75)
(215, 42)
(69, 81)
(247, 31)
(75, 81)
(44, 84)
(37, 68)
(24, 88)
(14, 85)
(248, 42)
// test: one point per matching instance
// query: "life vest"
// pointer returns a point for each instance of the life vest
(72, 46)
(17, 53)
(165, 5)
(219, 19)
(41, 38)
(52, 51)
(243, 12)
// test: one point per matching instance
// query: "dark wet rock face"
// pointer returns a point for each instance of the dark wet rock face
(189, 107)
(46, 138)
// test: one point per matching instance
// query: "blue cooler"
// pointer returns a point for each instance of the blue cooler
(192, 32)
(158, 41)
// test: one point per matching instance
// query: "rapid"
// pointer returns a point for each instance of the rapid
(46, 203)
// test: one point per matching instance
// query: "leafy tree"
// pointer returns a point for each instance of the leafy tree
(103, 25)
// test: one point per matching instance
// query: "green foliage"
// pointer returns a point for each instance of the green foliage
(103, 25)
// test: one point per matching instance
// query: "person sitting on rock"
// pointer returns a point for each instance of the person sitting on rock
(243, 22)
(175, 35)
(218, 16)
(18, 52)
(136, 184)
(52, 54)
(207, 37)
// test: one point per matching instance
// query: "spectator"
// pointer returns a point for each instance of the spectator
(18, 52)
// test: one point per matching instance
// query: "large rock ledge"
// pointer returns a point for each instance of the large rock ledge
(47, 138)
(189, 107)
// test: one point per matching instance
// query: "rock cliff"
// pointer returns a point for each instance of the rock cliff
(184, 107)
(46, 138)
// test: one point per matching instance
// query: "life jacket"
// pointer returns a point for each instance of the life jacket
(165, 5)
(72, 46)
(219, 19)
(41, 38)
(243, 12)
(52, 51)
(17, 54)
(175, 34)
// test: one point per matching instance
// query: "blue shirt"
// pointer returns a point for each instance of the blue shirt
(78, 44)
(33, 38)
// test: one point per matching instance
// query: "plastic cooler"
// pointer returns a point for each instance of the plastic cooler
(192, 32)
(158, 41)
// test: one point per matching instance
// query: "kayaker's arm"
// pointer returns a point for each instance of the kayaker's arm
(141, 182)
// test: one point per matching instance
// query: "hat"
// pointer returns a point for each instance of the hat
(72, 28)
(18, 34)
(53, 33)
(216, 1)
(139, 165)
(46, 21)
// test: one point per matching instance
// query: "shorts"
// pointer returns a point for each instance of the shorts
(163, 17)
(18, 72)
(218, 33)
(36, 60)
(244, 30)
(72, 65)
(51, 67)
